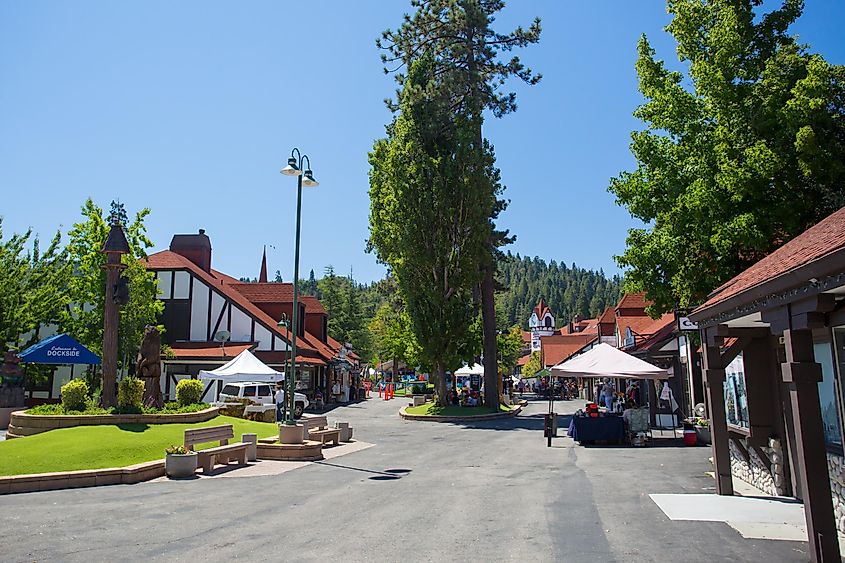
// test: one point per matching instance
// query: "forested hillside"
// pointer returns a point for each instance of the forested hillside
(568, 290)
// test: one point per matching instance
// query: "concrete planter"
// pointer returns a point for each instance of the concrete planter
(180, 466)
(291, 434)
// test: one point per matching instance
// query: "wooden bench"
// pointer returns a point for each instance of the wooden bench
(224, 453)
(317, 428)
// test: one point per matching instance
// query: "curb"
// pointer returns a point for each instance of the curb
(439, 418)
(83, 478)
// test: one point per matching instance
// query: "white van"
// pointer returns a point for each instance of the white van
(260, 394)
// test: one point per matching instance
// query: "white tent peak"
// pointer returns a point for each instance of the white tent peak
(475, 369)
(243, 367)
(606, 361)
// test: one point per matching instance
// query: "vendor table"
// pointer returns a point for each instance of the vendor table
(604, 428)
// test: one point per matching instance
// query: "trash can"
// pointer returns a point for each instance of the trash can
(690, 437)
(550, 425)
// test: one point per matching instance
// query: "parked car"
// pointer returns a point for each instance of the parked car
(260, 394)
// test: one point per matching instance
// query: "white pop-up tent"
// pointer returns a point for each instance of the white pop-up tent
(475, 369)
(606, 361)
(243, 367)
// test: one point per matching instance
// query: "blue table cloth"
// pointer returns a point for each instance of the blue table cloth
(604, 428)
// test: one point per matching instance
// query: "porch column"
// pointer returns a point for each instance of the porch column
(714, 393)
(802, 375)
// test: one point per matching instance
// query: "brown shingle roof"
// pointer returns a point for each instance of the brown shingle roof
(824, 238)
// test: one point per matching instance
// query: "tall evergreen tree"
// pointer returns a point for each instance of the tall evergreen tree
(457, 35)
(428, 223)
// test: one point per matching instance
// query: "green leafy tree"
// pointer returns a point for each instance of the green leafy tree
(34, 286)
(458, 38)
(739, 155)
(83, 318)
(428, 223)
(510, 348)
(393, 337)
(532, 366)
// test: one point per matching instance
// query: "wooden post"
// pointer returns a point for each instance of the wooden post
(714, 384)
(114, 247)
(802, 374)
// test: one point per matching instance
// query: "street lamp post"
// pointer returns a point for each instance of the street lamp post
(306, 178)
(285, 323)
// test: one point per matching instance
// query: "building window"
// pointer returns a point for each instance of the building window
(829, 388)
(736, 397)
(548, 321)
(176, 319)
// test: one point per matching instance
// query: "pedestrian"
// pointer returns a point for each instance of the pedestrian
(609, 393)
(279, 398)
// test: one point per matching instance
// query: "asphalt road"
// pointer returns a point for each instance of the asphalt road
(426, 492)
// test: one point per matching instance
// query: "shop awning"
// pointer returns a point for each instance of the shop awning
(606, 361)
(59, 349)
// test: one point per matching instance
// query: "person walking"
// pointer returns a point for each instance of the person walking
(279, 398)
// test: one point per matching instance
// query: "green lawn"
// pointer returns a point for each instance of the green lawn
(429, 409)
(98, 447)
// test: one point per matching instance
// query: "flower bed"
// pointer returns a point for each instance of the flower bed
(27, 424)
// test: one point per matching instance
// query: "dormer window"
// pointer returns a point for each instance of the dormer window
(548, 321)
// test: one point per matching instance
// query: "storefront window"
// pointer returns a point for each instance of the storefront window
(736, 398)
(828, 388)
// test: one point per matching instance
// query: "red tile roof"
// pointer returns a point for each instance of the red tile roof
(167, 260)
(587, 326)
(824, 238)
(211, 351)
(609, 316)
(278, 358)
(660, 330)
(643, 327)
(558, 347)
(276, 292)
(633, 301)
(523, 360)
(526, 336)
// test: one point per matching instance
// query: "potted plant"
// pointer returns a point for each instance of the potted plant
(702, 430)
(179, 462)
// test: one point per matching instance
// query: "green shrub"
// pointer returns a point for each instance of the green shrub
(130, 394)
(75, 395)
(189, 391)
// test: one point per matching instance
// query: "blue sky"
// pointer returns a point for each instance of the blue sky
(190, 108)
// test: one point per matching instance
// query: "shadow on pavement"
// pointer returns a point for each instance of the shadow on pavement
(386, 475)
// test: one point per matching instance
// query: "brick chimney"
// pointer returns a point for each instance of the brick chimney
(196, 248)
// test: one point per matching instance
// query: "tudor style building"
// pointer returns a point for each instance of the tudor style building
(541, 323)
(200, 303)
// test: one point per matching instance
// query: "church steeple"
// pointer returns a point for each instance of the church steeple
(262, 277)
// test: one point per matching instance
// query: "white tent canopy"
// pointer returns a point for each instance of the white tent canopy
(475, 369)
(606, 361)
(243, 367)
